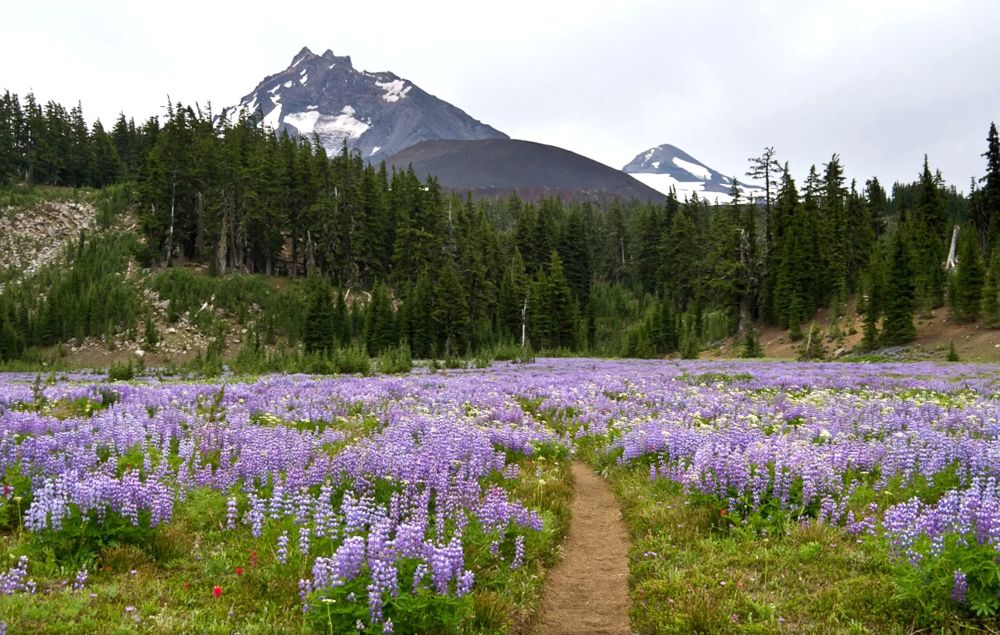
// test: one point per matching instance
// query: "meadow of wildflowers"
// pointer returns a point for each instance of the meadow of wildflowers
(398, 503)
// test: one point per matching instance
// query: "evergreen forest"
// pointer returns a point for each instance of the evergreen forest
(376, 261)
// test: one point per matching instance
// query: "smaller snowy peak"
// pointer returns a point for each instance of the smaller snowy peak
(667, 167)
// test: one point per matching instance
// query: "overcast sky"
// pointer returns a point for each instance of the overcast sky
(879, 82)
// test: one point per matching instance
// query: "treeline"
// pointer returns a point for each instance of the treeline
(447, 276)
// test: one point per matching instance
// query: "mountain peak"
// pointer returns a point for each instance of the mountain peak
(301, 56)
(324, 97)
(666, 166)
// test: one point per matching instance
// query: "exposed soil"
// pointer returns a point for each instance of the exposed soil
(587, 593)
(935, 332)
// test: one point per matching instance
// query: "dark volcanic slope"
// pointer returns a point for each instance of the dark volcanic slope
(377, 114)
(490, 167)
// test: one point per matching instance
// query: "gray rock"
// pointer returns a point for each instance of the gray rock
(377, 114)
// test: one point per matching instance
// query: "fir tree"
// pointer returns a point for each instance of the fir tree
(990, 307)
(898, 327)
(562, 308)
(751, 345)
(968, 280)
(318, 331)
(987, 199)
(380, 323)
(451, 311)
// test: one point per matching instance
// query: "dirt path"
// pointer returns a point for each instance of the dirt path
(587, 593)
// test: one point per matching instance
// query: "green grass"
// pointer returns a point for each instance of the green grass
(25, 196)
(689, 573)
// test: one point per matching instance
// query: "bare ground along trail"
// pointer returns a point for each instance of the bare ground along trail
(587, 593)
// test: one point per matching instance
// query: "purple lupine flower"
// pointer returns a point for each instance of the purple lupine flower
(959, 587)
(304, 533)
(231, 512)
(518, 560)
(80, 580)
(281, 554)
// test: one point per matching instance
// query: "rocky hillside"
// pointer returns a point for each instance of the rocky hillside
(34, 235)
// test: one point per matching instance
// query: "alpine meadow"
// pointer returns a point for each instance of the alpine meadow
(342, 358)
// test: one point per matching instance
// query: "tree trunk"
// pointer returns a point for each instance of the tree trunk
(222, 255)
(199, 241)
(524, 322)
(170, 232)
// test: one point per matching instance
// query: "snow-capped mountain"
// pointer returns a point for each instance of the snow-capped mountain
(668, 166)
(378, 114)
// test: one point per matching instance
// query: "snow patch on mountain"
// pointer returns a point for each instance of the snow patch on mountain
(394, 90)
(304, 122)
(273, 119)
(698, 171)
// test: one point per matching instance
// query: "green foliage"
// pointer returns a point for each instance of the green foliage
(381, 332)
(395, 360)
(968, 281)
(813, 347)
(929, 583)
(84, 294)
(83, 536)
(952, 353)
(319, 329)
(898, 327)
(112, 203)
(121, 371)
(352, 359)
(452, 277)
(751, 345)
(340, 609)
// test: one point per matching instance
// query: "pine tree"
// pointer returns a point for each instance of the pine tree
(990, 307)
(872, 302)
(318, 330)
(765, 167)
(680, 261)
(419, 306)
(341, 327)
(968, 291)
(952, 353)
(751, 345)
(451, 311)
(987, 199)
(897, 326)
(560, 303)
(381, 333)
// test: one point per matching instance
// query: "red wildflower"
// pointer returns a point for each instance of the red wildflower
(186, 585)
(239, 570)
(253, 558)
(216, 591)
(723, 512)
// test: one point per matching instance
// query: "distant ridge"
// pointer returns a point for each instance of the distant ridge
(498, 167)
